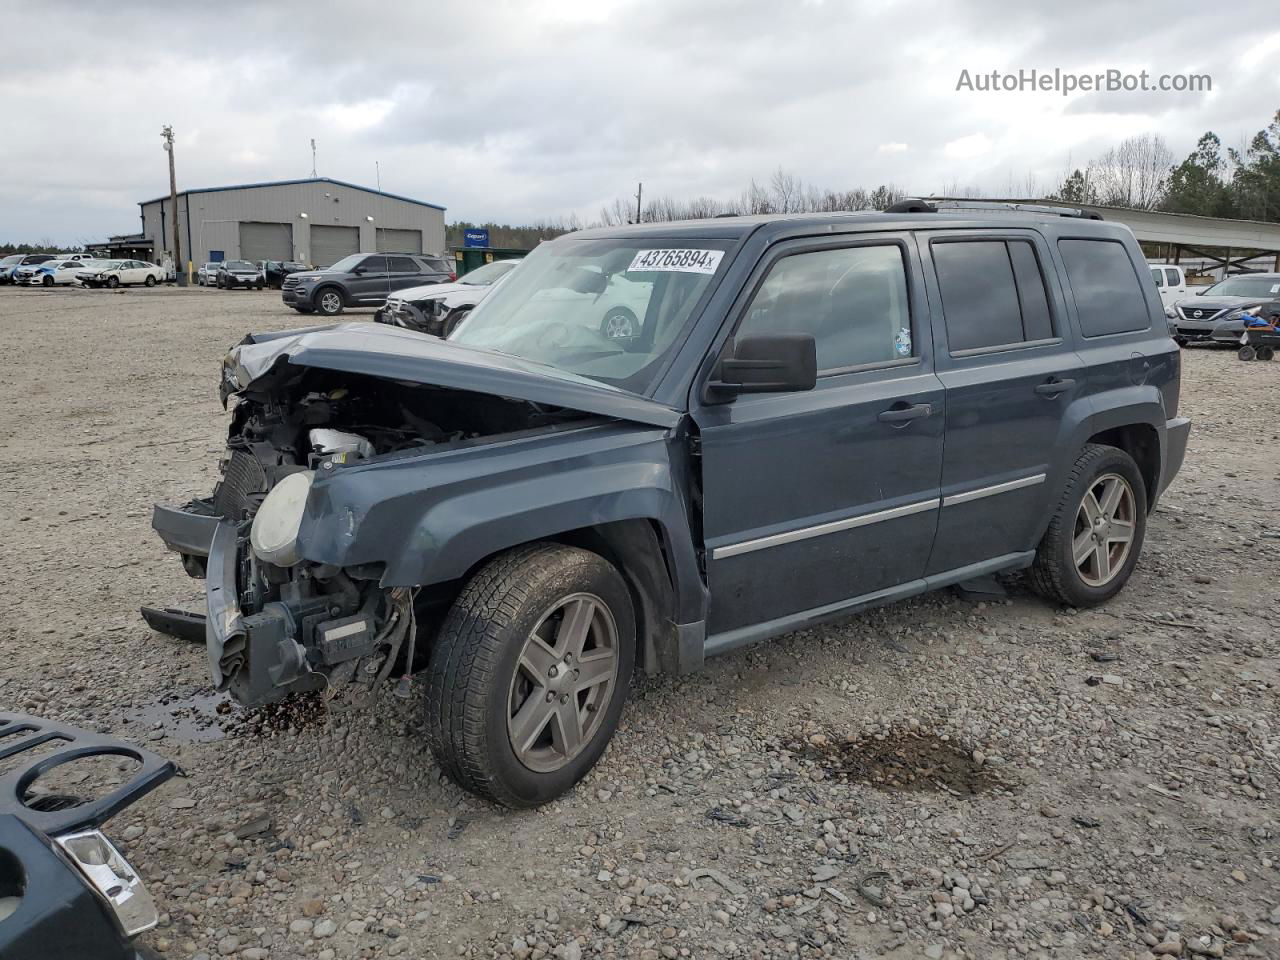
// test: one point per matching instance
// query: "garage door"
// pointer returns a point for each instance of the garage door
(266, 241)
(331, 244)
(399, 241)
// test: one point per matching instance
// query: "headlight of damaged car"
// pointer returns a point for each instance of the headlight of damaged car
(274, 535)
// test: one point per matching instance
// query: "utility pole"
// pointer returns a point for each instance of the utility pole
(313, 156)
(167, 134)
(639, 194)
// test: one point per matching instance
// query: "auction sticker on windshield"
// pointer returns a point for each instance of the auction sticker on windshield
(676, 261)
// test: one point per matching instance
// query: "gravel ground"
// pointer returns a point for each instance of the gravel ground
(945, 777)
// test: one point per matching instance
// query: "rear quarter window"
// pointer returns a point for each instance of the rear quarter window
(1106, 289)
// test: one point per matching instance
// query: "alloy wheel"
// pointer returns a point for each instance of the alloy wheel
(330, 302)
(563, 682)
(1105, 526)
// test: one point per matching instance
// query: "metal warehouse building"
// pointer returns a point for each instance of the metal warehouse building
(317, 221)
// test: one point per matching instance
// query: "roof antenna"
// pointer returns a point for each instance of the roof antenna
(313, 156)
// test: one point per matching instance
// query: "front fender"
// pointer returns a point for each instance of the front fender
(432, 517)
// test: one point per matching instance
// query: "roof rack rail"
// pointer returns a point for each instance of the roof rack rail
(916, 205)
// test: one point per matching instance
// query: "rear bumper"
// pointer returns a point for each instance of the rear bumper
(1176, 432)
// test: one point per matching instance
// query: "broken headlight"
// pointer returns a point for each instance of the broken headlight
(110, 874)
(274, 535)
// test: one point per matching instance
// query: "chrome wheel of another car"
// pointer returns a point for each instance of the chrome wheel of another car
(1105, 525)
(330, 302)
(564, 678)
(619, 325)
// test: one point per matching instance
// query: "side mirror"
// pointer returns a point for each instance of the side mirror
(358, 271)
(772, 363)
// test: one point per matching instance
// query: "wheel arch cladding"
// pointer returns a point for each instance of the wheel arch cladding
(1141, 441)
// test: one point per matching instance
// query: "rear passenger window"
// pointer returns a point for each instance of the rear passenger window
(1173, 278)
(993, 293)
(1105, 287)
(403, 265)
(853, 301)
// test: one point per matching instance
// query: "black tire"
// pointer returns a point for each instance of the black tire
(151, 279)
(1054, 573)
(1180, 341)
(475, 662)
(328, 301)
(113, 282)
(47, 281)
(1266, 353)
(1246, 353)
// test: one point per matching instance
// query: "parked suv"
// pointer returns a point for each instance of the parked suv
(815, 415)
(362, 280)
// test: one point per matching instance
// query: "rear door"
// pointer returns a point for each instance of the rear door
(1005, 356)
(403, 272)
(816, 498)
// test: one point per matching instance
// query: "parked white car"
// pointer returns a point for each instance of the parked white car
(50, 273)
(207, 274)
(120, 273)
(1171, 282)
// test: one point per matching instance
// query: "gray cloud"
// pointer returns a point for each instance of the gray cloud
(516, 111)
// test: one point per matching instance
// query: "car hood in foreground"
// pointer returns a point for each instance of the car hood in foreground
(391, 353)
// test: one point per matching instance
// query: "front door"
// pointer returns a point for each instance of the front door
(371, 283)
(1010, 371)
(816, 498)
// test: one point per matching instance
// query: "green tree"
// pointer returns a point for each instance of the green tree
(1198, 184)
(1256, 185)
(1075, 189)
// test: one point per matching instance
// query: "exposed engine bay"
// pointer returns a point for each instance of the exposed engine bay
(277, 623)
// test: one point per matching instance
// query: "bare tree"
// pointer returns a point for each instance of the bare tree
(1132, 174)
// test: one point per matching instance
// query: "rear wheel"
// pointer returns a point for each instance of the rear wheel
(530, 672)
(1246, 352)
(1266, 353)
(1094, 539)
(329, 301)
(151, 279)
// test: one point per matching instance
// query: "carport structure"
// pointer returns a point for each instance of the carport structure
(1226, 243)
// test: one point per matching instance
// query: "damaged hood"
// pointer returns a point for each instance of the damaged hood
(391, 353)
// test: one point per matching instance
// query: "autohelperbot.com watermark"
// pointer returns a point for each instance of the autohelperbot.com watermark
(1066, 82)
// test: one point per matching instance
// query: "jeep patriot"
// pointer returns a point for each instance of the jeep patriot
(814, 415)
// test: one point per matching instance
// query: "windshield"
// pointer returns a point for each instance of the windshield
(1245, 287)
(240, 265)
(10, 260)
(612, 310)
(483, 276)
(347, 264)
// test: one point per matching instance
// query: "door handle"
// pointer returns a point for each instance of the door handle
(1055, 386)
(903, 414)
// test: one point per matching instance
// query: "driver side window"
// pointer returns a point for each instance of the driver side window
(853, 301)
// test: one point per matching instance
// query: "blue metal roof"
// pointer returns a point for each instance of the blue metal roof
(286, 183)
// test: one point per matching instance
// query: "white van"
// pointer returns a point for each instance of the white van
(1171, 282)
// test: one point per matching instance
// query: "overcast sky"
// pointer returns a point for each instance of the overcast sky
(523, 111)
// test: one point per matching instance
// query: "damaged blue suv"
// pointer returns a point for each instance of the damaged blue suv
(811, 416)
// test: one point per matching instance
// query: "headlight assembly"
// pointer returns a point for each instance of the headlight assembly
(274, 535)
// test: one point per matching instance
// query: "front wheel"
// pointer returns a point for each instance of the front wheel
(1266, 353)
(47, 281)
(329, 302)
(113, 282)
(529, 673)
(1246, 353)
(1093, 541)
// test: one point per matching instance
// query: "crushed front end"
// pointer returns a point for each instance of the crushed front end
(281, 619)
